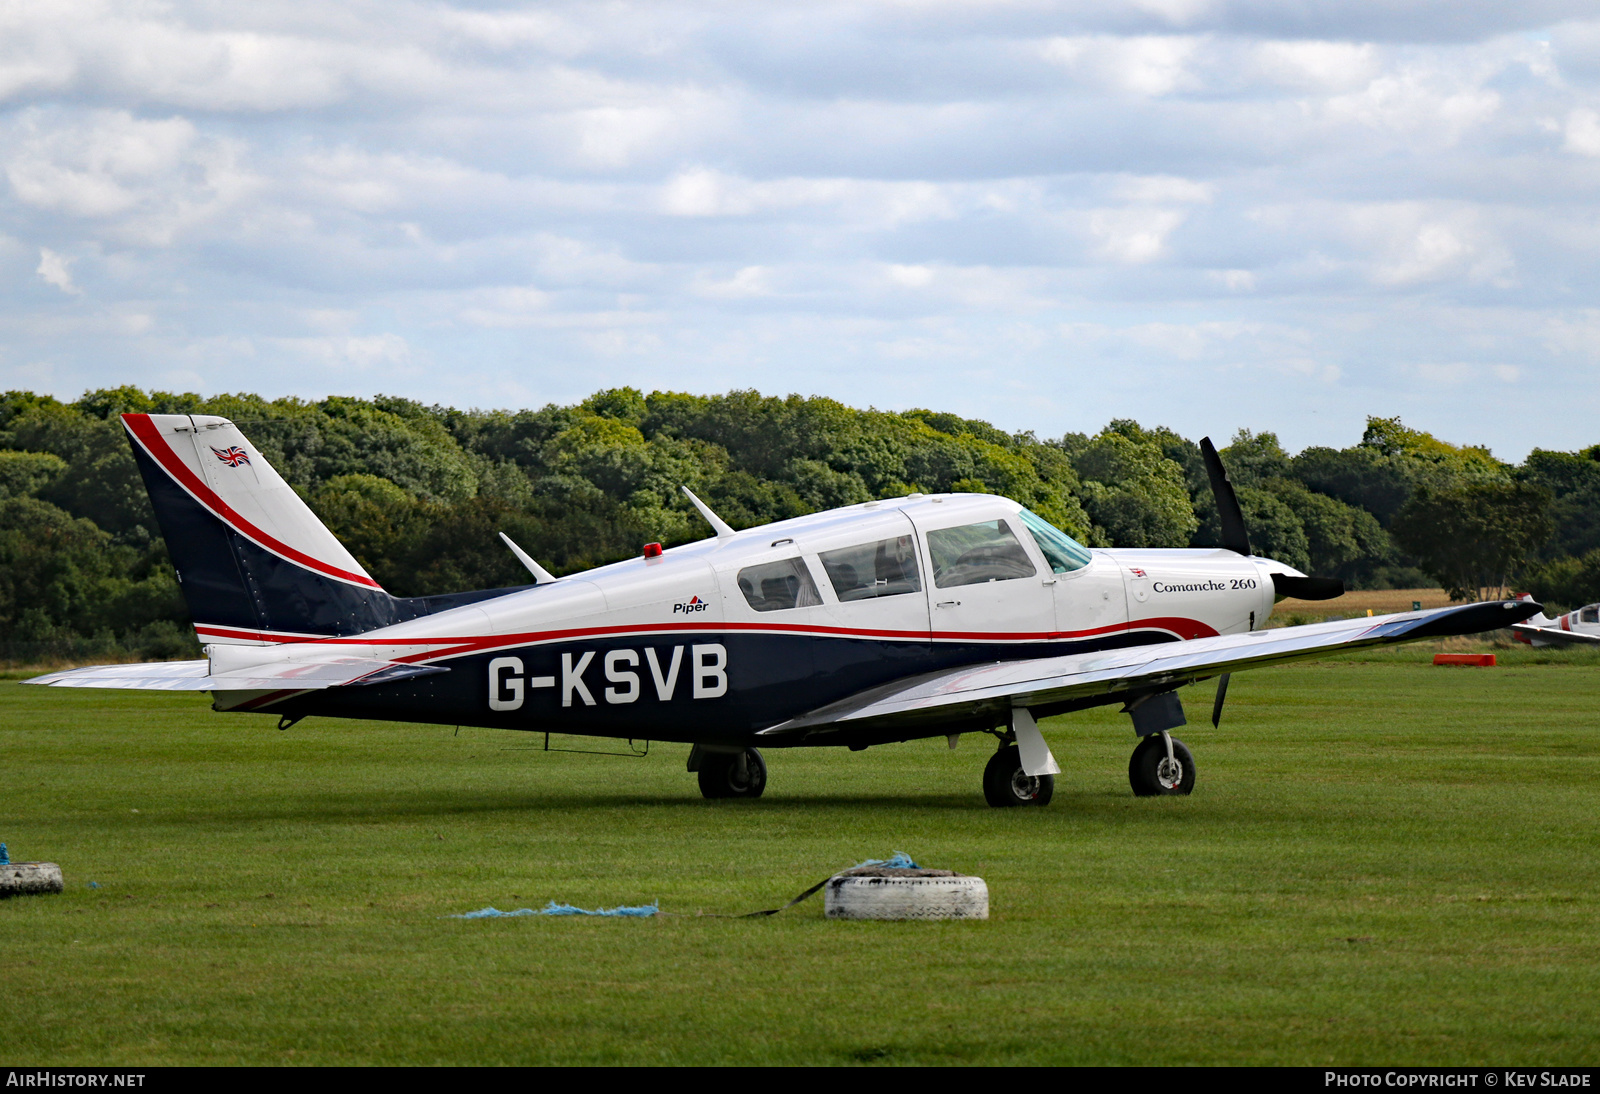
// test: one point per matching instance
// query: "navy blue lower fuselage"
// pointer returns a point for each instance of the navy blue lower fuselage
(769, 678)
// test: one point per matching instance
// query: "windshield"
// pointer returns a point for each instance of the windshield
(1064, 553)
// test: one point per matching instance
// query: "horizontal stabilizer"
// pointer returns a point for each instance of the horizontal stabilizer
(333, 672)
(1080, 680)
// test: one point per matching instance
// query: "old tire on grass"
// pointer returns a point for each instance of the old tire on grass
(885, 893)
(725, 776)
(29, 877)
(1005, 783)
(1149, 773)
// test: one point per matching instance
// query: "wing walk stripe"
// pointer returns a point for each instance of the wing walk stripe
(149, 437)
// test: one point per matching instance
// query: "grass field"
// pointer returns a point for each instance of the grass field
(1384, 862)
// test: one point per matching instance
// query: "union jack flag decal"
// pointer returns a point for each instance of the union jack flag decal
(233, 456)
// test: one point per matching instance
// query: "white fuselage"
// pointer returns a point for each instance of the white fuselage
(726, 636)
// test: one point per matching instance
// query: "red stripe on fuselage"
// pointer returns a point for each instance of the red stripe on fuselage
(150, 439)
(455, 647)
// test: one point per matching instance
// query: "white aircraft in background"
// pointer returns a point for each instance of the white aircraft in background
(922, 616)
(1580, 627)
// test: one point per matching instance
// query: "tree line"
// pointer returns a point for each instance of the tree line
(418, 492)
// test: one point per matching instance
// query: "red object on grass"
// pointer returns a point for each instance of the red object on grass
(1486, 660)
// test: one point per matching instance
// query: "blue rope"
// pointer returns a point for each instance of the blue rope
(641, 911)
(898, 861)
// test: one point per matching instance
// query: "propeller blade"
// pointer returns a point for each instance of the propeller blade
(1307, 588)
(1234, 535)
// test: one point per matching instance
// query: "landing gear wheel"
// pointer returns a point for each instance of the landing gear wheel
(740, 776)
(1005, 783)
(1152, 774)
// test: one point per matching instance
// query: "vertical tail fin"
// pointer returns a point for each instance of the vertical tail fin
(255, 564)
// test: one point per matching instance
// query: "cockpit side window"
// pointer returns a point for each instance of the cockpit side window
(773, 586)
(885, 568)
(976, 553)
(1591, 614)
(1064, 553)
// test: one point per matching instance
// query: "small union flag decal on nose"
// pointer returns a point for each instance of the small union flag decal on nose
(233, 456)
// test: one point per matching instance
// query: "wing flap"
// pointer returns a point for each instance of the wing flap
(994, 689)
(334, 672)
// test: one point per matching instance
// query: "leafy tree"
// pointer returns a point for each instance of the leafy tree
(1337, 535)
(1574, 479)
(1360, 477)
(1566, 583)
(1134, 494)
(1472, 536)
(1390, 437)
(1275, 529)
(1254, 458)
(26, 473)
(53, 569)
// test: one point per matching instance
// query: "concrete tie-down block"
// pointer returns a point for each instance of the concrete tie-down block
(29, 877)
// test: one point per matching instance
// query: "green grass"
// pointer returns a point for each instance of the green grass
(1384, 862)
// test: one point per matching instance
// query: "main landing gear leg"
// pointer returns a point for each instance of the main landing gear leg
(730, 774)
(1004, 780)
(1161, 764)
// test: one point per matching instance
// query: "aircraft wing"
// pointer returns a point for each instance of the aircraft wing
(1108, 676)
(1553, 635)
(332, 672)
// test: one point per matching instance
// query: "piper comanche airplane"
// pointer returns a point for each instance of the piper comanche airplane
(922, 616)
(1579, 627)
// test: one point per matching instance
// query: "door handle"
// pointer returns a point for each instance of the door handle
(948, 604)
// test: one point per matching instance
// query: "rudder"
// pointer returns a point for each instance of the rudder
(254, 562)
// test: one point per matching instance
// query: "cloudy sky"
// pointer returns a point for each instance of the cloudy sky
(1201, 213)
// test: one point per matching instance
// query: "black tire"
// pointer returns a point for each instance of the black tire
(1005, 783)
(720, 776)
(1146, 772)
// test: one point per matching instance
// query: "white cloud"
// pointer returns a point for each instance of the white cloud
(1162, 189)
(748, 282)
(146, 179)
(1414, 244)
(1132, 236)
(1583, 133)
(1145, 66)
(911, 277)
(359, 352)
(1318, 66)
(673, 195)
(55, 269)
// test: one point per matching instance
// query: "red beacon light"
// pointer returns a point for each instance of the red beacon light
(652, 550)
